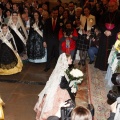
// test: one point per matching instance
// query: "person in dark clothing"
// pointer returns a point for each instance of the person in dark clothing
(50, 38)
(109, 26)
(93, 49)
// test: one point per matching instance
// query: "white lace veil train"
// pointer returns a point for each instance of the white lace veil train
(53, 83)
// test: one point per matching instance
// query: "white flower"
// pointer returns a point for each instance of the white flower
(79, 81)
(76, 73)
(71, 83)
(73, 89)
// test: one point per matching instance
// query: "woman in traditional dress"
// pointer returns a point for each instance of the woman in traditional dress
(35, 50)
(10, 62)
(52, 96)
(18, 31)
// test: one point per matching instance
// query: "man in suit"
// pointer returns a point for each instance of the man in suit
(50, 37)
(26, 22)
(71, 7)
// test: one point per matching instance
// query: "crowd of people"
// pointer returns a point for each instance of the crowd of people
(43, 34)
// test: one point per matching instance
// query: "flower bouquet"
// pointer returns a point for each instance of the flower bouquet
(117, 43)
(74, 77)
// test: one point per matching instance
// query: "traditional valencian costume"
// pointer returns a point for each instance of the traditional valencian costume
(35, 50)
(19, 33)
(52, 96)
(10, 62)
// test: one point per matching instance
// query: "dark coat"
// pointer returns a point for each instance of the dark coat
(50, 36)
(106, 43)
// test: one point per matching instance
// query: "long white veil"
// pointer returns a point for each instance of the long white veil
(53, 83)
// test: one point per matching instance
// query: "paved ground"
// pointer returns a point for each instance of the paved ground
(20, 91)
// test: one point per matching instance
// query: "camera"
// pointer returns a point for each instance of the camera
(68, 32)
(92, 36)
(114, 94)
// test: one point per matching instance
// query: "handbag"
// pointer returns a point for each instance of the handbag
(66, 111)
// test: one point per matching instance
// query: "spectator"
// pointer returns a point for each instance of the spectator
(26, 21)
(61, 10)
(45, 16)
(27, 11)
(78, 12)
(40, 10)
(1, 15)
(109, 26)
(81, 113)
(71, 8)
(59, 3)
(15, 8)
(7, 14)
(50, 38)
(87, 21)
(8, 6)
(65, 18)
(67, 37)
(94, 37)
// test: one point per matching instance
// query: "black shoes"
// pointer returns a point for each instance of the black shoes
(46, 69)
(91, 62)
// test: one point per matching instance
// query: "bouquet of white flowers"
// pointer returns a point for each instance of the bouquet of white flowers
(74, 77)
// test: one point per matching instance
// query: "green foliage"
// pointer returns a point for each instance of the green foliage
(71, 77)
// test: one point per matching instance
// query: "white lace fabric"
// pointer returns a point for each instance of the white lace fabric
(18, 25)
(53, 83)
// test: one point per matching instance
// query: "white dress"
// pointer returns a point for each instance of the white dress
(52, 96)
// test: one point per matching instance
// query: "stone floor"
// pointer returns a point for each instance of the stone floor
(19, 91)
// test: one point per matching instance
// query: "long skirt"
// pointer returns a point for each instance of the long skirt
(60, 97)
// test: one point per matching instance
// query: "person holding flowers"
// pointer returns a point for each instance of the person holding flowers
(53, 96)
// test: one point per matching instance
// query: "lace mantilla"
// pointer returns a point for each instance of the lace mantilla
(53, 83)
